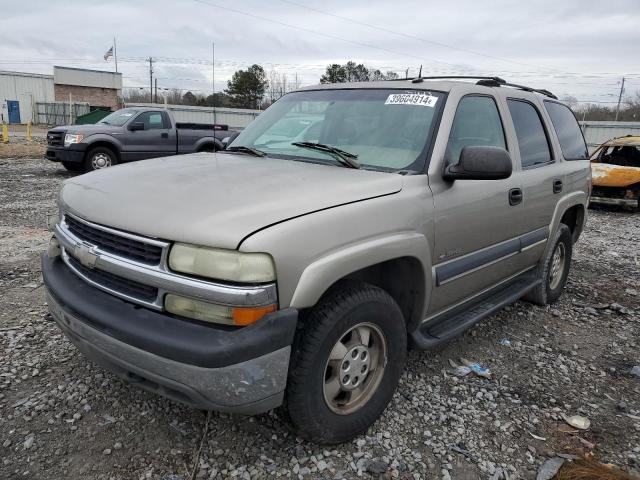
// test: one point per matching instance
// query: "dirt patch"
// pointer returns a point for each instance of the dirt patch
(14, 149)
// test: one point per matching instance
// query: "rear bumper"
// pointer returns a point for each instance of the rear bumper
(239, 371)
(71, 154)
(624, 202)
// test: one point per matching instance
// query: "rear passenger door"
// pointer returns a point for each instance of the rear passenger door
(541, 174)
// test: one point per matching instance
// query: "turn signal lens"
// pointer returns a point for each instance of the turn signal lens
(212, 313)
(247, 316)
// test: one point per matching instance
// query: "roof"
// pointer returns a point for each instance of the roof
(25, 74)
(441, 85)
(628, 140)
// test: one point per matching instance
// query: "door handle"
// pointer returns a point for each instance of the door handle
(515, 196)
(164, 135)
(557, 186)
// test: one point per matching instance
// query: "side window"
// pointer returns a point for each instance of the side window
(569, 134)
(151, 120)
(476, 123)
(532, 139)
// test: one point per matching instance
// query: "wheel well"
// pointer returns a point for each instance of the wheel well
(402, 278)
(574, 219)
(205, 147)
(108, 145)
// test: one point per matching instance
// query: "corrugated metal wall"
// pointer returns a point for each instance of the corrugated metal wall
(27, 89)
(597, 132)
(234, 117)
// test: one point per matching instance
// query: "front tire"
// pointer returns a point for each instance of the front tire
(99, 158)
(554, 269)
(346, 363)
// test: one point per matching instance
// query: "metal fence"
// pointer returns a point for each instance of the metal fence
(597, 132)
(59, 113)
(234, 117)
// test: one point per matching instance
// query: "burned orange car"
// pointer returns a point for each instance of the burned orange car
(615, 170)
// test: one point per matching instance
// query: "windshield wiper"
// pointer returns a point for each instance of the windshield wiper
(244, 149)
(346, 158)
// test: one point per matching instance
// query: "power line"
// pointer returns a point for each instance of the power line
(284, 24)
(413, 37)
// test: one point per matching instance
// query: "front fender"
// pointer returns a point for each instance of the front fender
(103, 138)
(317, 277)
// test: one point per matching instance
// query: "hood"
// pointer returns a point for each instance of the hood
(215, 199)
(88, 129)
(608, 175)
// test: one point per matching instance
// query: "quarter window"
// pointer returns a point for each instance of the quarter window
(532, 138)
(568, 130)
(476, 123)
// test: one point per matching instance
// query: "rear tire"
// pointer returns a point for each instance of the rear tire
(73, 167)
(554, 269)
(99, 158)
(346, 363)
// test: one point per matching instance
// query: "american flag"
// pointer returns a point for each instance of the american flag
(108, 54)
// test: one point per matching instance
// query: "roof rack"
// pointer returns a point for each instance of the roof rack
(449, 77)
(482, 80)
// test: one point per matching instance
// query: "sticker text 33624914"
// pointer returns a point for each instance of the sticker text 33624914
(419, 99)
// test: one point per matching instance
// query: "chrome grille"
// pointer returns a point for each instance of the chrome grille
(118, 284)
(113, 243)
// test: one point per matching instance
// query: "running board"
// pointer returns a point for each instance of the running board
(451, 324)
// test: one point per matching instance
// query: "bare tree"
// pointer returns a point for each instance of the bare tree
(279, 84)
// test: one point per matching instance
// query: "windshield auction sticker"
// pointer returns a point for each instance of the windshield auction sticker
(419, 99)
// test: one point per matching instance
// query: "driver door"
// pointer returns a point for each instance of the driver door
(477, 221)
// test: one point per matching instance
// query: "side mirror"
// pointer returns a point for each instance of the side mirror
(480, 163)
(136, 126)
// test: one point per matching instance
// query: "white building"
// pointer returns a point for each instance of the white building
(19, 93)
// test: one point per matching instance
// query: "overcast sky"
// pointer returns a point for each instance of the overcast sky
(572, 47)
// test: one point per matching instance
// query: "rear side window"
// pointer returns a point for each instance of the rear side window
(532, 138)
(477, 123)
(568, 131)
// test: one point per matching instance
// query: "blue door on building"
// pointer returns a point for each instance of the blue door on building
(14, 111)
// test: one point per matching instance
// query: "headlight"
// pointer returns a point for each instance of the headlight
(72, 138)
(220, 264)
(210, 312)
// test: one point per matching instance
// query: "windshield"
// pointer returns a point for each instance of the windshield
(386, 129)
(120, 117)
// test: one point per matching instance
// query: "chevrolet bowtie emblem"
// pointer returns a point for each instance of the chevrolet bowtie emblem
(86, 255)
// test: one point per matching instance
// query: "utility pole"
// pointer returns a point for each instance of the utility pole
(619, 99)
(156, 94)
(151, 79)
(213, 79)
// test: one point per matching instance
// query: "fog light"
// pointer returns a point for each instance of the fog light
(210, 312)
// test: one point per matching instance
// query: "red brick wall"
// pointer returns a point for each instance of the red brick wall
(98, 97)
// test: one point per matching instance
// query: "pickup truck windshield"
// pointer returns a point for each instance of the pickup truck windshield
(120, 117)
(386, 129)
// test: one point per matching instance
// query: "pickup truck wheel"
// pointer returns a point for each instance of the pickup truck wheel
(99, 158)
(346, 364)
(555, 269)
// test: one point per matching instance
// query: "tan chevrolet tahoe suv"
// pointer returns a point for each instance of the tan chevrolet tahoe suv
(346, 224)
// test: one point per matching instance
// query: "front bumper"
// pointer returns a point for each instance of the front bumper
(624, 202)
(72, 154)
(233, 370)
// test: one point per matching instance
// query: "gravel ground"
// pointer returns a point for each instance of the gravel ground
(63, 417)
